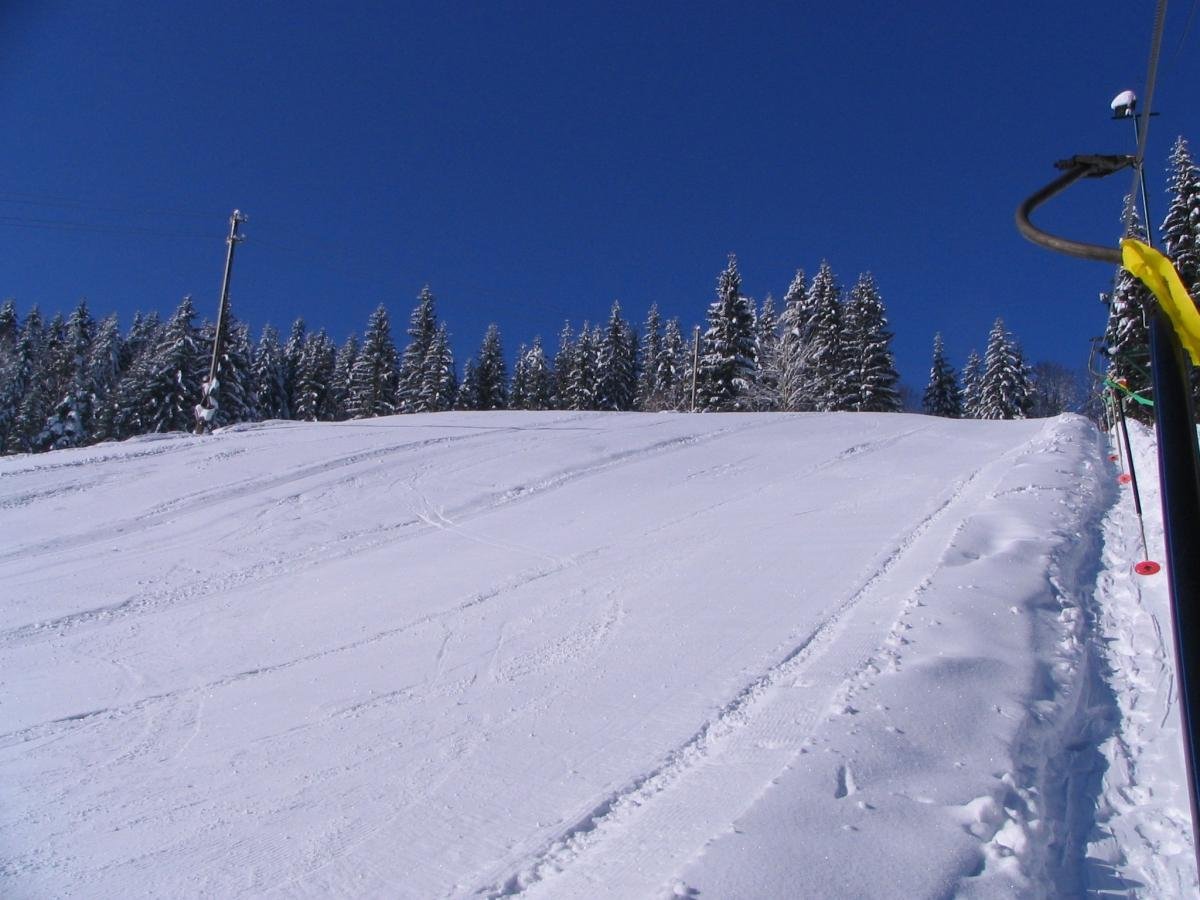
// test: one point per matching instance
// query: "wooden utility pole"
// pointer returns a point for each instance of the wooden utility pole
(207, 407)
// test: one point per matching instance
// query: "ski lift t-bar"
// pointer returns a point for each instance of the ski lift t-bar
(1075, 168)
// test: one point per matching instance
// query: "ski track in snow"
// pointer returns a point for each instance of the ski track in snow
(477, 743)
(762, 726)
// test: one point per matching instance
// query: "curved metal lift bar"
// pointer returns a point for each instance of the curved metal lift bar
(1076, 167)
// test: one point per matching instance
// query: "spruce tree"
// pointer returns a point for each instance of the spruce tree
(648, 397)
(616, 381)
(422, 330)
(19, 379)
(727, 353)
(826, 363)
(793, 355)
(491, 373)
(373, 380)
(539, 383)
(314, 374)
(1181, 227)
(1004, 387)
(671, 368)
(972, 380)
(268, 377)
(942, 396)
(468, 388)
(564, 361)
(169, 387)
(104, 375)
(69, 422)
(339, 387)
(766, 376)
(871, 369)
(293, 349)
(439, 385)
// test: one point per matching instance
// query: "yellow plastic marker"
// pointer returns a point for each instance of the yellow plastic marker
(1157, 273)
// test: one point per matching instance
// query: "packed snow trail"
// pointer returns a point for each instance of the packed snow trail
(563, 654)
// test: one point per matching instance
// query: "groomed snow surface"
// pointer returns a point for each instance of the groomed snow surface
(588, 655)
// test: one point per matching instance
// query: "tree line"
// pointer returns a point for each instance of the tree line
(74, 380)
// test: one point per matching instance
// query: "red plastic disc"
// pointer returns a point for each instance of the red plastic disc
(1147, 567)
(1124, 478)
(1112, 457)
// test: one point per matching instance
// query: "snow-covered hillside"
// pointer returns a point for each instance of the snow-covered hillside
(575, 655)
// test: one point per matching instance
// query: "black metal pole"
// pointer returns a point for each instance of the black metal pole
(1179, 475)
(207, 398)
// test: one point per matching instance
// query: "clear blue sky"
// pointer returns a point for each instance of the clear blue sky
(533, 161)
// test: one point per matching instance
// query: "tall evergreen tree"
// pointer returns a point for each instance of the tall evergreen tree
(293, 349)
(826, 362)
(871, 369)
(439, 385)
(972, 382)
(727, 353)
(564, 363)
(235, 393)
(648, 397)
(104, 374)
(1181, 227)
(10, 327)
(373, 381)
(616, 381)
(793, 358)
(268, 377)
(19, 379)
(169, 387)
(942, 396)
(468, 388)
(491, 373)
(671, 369)
(1004, 388)
(766, 376)
(422, 331)
(539, 383)
(343, 372)
(314, 374)
(69, 422)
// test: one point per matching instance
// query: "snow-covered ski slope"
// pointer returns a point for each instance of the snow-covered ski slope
(557, 654)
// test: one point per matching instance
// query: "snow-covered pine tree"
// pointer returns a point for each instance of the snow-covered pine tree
(235, 372)
(491, 373)
(539, 385)
(579, 391)
(10, 327)
(564, 361)
(18, 380)
(671, 368)
(1126, 335)
(268, 377)
(727, 351)
(293, 349)
(70, 420)
(872, 372)
(616, 376)
(1004, 387)
(1181, 227)
(339, 387)
(648, 397)
(104, 374)
(422, 329)
(828, 383)
(765, 392)
(942, 395)
(972, 380)
(794, 351)
(1055, 389)
(439, 385)
(314, 374)
(468, 388)
(373, 379)
(169, 386)
(49, 382)
(517, 386)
